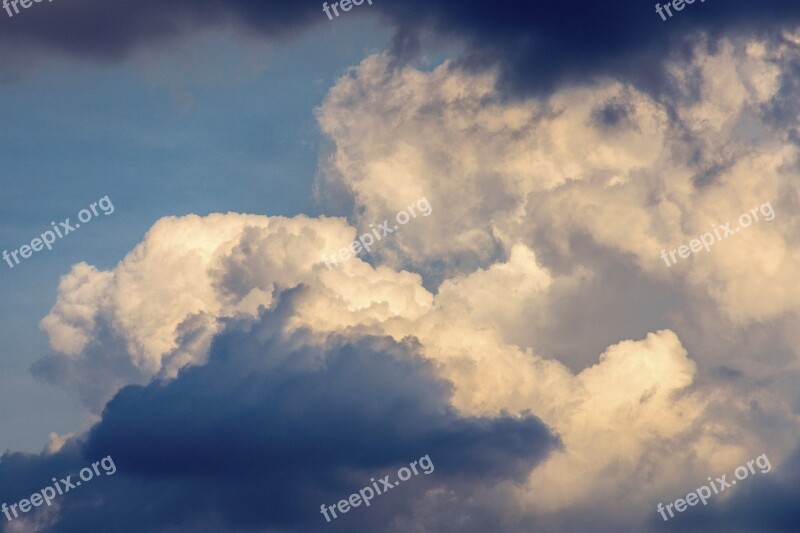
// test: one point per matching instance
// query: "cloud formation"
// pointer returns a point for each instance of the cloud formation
(480, 322)
(595, 181)
(270, 427)
(247, 275)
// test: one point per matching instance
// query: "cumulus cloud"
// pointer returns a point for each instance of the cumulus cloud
(260, 265)
(149, 324)
(548, 172)
(593, 181)
(467, 318)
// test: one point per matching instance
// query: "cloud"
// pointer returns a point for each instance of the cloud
(765, 501)
(543, 46)
(595, 181)
(96, 30)
(271, 427)
(535, 46)
(535, 287)
(621, 409)
(137, 323)
(548, 173)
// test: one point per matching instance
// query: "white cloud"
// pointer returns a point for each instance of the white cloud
(504, 173)
(189, 276)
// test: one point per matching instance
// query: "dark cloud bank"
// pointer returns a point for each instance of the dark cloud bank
(268, 430)
(539, 44)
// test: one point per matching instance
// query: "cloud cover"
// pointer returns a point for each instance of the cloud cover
(464, 317)
(538, 46)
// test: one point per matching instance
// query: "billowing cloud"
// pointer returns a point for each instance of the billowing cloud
(551, 171)
(260, 265)
(271, 427)
(480, 320)
(595, 181)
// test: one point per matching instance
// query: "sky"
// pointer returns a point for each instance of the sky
(536, 263)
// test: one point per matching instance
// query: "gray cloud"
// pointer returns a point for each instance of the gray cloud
(272, 427)
(537, 45)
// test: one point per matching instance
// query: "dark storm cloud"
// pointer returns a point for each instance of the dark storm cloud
(22, 474)
(538, 44)
(269, 429)
(109, 30)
